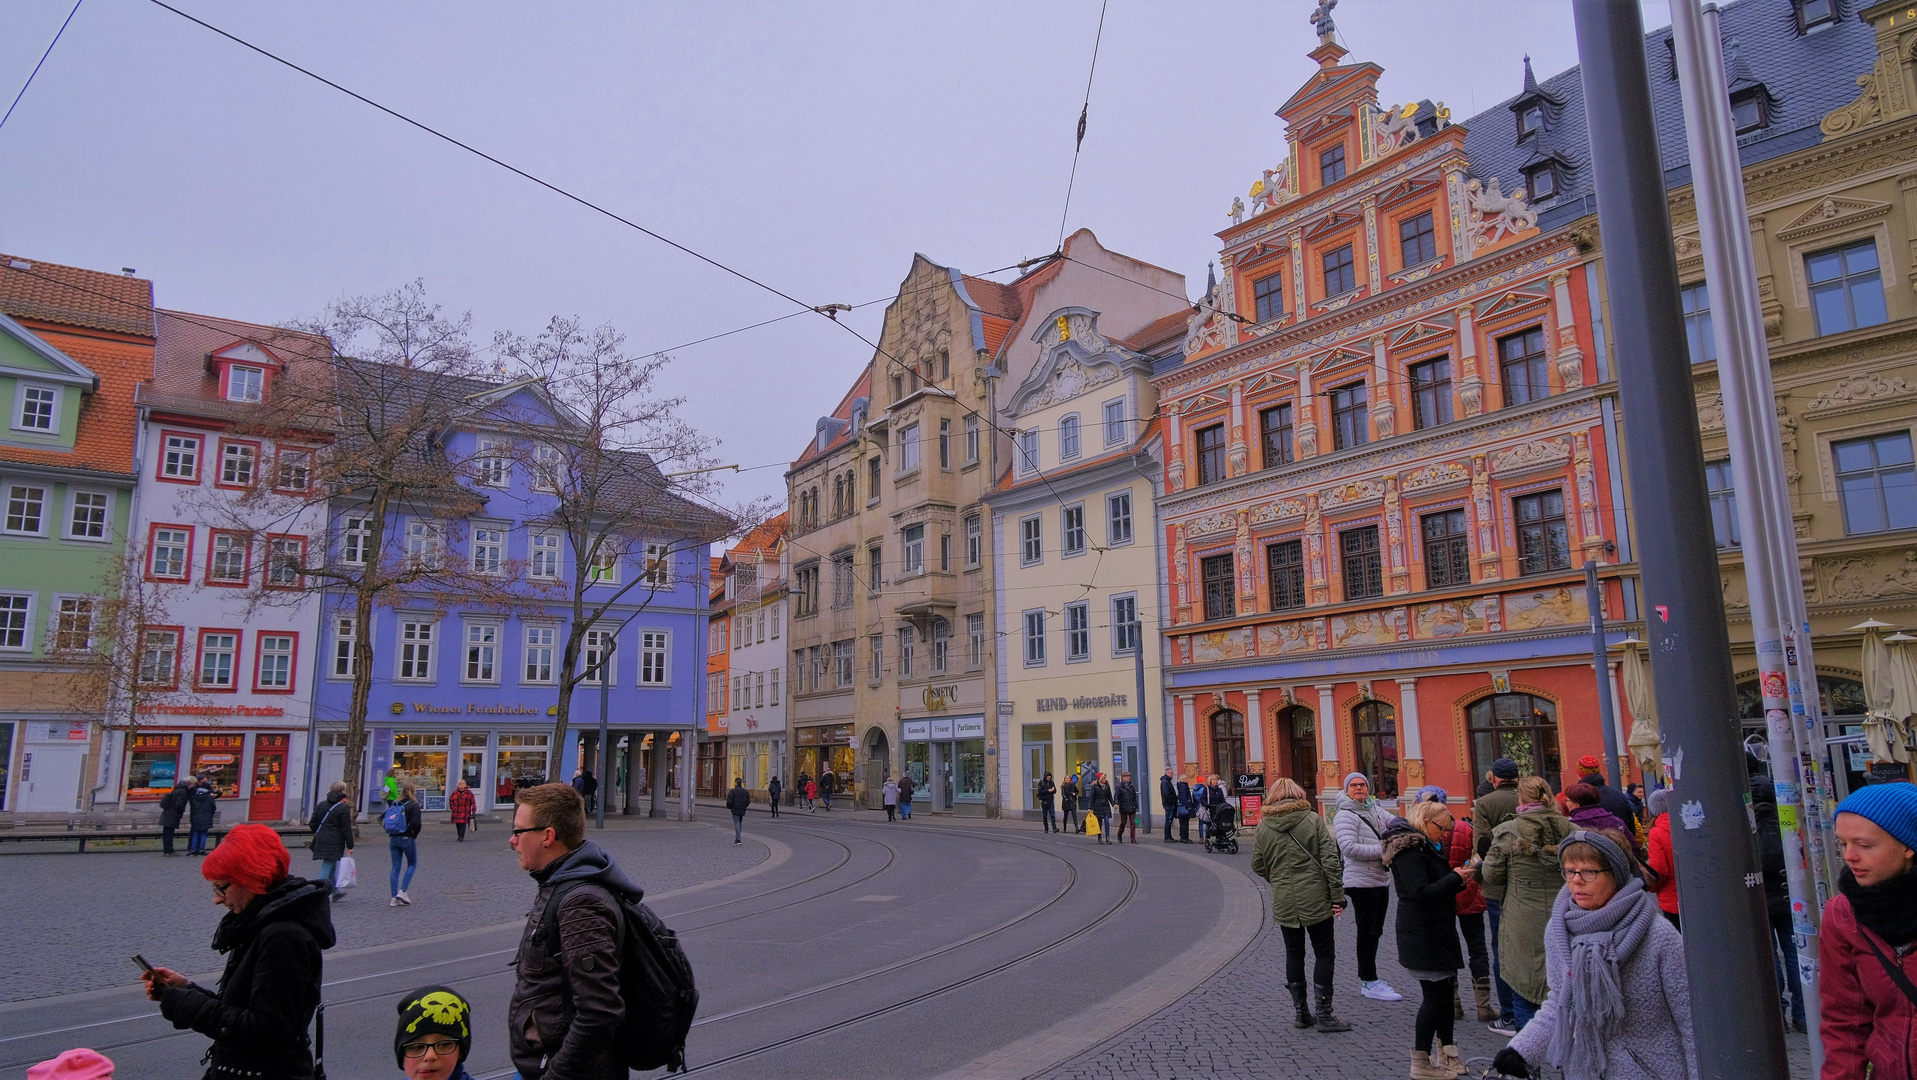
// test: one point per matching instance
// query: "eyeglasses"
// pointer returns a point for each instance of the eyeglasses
(441, 1047)
(220, 887)
(531, 828)
(1583, 877)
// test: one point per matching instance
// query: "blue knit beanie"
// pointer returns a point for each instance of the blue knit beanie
(1891, 807)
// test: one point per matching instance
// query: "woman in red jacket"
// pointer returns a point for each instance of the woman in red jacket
(1660, 858)
(1868, 947)
(461, 804)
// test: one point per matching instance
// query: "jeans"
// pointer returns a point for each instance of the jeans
(775, 805)
(825, 799)
(1370, 905)
(1524, 1009)
(1494, 910)
(905, 809)
(196, 842)
(1072, 823)
(403, 849)
(1323, 949)
(1472, 926)
(329, 872)
(1787, 953)
(1434, 1014)
(738, 828)
(1048, 817)
(1171, 811)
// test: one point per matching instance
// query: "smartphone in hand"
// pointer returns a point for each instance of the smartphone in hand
(144, 966)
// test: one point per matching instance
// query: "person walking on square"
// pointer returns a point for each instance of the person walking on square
(1293, 850)
(889, 795)
(1460, 849)
(463, 809)
(200, 810)
(1868, 950)
(828, 783)
(1619, 1006)
(905, 797)
(1047, 792)
(738, 800)
(811, 796)
(1168, 800)
(1777, 895)
(1201, 795)
(1187, 806)
(332, 828)
(389, 786)
(273, 932)
(774, 790)
(1127, 796)
(173, 806)
(1414, 851)
(435, 1035)
(1521, 871)
(402, 822)
(1492, 808)
(1068, 802)
(1101, 808)
(1359, 826)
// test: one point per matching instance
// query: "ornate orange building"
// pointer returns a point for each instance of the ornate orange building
(1389, 452)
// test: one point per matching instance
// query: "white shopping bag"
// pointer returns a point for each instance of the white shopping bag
(347, 875)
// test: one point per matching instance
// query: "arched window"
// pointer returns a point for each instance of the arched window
(1837, 695)
(1228, 746)
(1522, 727)
(1374, 723)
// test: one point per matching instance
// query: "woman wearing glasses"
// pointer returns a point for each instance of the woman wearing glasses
(1619, 1006)
(435, 1034)
(1428, 888)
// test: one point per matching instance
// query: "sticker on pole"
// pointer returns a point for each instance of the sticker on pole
(1692, 815)
(1664, 613)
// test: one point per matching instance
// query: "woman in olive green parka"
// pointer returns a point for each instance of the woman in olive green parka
(1294, 850)
(1521, 872)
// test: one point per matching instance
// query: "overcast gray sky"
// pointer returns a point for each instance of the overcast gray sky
(816, 146)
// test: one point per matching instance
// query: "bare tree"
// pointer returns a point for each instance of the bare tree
(601, 454)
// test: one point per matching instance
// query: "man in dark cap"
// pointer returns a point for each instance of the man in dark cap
(1488, 811)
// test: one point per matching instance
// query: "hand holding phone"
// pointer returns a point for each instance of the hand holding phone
(158, 978)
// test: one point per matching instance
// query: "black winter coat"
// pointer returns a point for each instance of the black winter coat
(332, 827)
(738, 800)
(1614, 800)
(258, 1017)
(173, 805)
(1127, 797)
(1770, 845)
(1427, 890)
(413, 821)
(1101, 798)
(1047, 793)
(543, 1040)
(1068, 795)
(905, 790)
(1187, 806)
(201, 801)
(1168, 794)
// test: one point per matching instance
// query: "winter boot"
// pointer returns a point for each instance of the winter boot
(1299, 1002)
(1422, 1067)
(1327, 1020)
(1487, 1004)
(1453, 1062)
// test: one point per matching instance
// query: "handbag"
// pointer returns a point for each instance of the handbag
(346, 875)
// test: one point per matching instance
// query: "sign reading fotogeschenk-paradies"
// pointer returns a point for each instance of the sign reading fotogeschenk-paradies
(1059, 704)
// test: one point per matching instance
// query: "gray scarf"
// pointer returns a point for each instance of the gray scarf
(1597, 943)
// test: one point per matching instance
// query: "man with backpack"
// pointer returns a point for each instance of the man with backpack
(603, 986)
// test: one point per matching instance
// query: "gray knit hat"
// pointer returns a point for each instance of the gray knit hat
(1621, 866)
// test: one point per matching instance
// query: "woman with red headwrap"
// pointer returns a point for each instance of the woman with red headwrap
(273, 931)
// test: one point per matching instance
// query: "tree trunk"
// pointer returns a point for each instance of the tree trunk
(365, 590)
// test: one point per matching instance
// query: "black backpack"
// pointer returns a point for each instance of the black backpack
(655, 981)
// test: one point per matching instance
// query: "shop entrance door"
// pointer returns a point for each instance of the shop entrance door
(332, 769)
(269, 778)
(50, 778)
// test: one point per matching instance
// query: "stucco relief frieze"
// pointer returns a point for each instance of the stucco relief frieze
(1861, 392)
(1352, 495)
(1530, 456)
(1303, 211)
(1870, 575)
(1223, 521)
(1436, 476)
(1277, 510)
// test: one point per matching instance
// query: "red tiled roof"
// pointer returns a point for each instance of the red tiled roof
(72, 296)
(104, 441)
(181, 380)
(861, 388)
(763, 537)
(992, 298)
(1158, 333)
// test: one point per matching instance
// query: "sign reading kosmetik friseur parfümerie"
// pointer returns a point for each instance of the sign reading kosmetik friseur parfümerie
(1059, 704)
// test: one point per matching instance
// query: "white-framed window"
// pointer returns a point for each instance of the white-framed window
(1078, 631)
(425, 541)
(89, 515)
(219, 655)
(227, 562)
(16, 612)
(1118, 518)
(180, 457)
(842, 662)
(244, 383)
(605, 564)
(416, 649)
(1035, 638)
(539, 654)
(345, 659)
(593, 652)
(545, 556)
(1115, 422)
(941, 645)
(73, 623)
(356, 536)
(168, 553)
(38, 408)
(26, 509)
(490, 464)
(489, 548)
(273, 667)
(548, 465)
(760, 619)
(777, 608)
(975, 640)
(758, 690)
(238, 464)
(772, 686)
(1072, 530)
(908, 448)
(715, 692)
(971, 440)
(974, 540)
(877, 645)
(655, 648)
(482, 652)
(1028, 451)
(1031, 541)
(295, 468)
(717, 637)
(1124, 624)
(914, 558)
(1068, 441)
(159, 657)
(285, 559)
(908, 651)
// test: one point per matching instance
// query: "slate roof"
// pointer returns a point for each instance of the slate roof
(77, 297)
(1806, 77)
(862, 388)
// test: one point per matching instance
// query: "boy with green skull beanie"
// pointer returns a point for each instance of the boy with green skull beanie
(435, 1034)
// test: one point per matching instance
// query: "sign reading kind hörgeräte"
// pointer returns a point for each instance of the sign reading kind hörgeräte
(1059, 704)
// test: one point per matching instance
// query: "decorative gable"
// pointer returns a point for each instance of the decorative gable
(1831, 214)
(1073, 359)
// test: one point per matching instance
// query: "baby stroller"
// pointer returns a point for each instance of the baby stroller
(1224, 829)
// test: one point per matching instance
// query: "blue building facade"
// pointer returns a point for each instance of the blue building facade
(465, 686)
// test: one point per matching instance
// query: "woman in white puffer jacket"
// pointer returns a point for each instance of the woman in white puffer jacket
(1359, 825)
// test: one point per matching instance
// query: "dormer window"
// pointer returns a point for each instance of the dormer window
(1541, 181)
(1331, 166)
(1530, 120)
(1749, 110)
(1813, 14)
(244, 383)
(38, 409)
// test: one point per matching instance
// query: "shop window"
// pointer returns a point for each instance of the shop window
(1375, 731)
(217, 759)
(1275, 435)
(1268, 297)
(1285, 562)
(1846, 287)
(154, 766)
(1723, 496)
(1877, 483)
(1696, 301)
(1431, 392)
(1523, 367)
(1522, 727)
(1228, 745)
(1447, 549)
(1341, 272)
(1417, 240)
(1210, 446)
(421, 758)
(519, 761)
(1544, 539)
(1350, 416)
(1363, 569)
(1220, 585)
(1081, 749)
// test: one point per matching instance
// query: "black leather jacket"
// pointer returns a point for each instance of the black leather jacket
(546, 1042)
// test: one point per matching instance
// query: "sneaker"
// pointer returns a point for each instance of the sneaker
(1506, 1028)
(394, 902)
(403, 898)
(1380, 990)
(338, 896)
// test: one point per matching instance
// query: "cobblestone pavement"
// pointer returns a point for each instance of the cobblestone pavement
(75, 919)
(1238, 1024)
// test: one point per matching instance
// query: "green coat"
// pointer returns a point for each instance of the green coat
(1492, 809)
(1294, 851)
(1521, 872)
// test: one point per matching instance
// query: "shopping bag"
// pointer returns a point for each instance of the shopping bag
(347, 874)
(1091, 825)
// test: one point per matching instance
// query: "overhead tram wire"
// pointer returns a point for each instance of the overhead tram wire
(1084, 113)
(42, 63)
